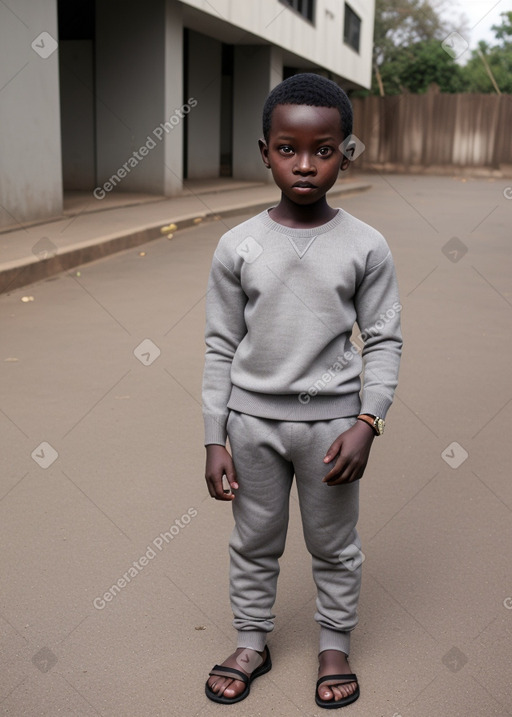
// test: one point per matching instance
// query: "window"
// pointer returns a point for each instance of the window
(306, 8)
(352, 28)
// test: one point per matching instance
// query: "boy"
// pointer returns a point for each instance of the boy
(282, 380)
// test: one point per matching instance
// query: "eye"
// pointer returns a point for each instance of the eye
(325, 151)
(285, 149)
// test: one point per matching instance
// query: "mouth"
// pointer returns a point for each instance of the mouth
(304, 185)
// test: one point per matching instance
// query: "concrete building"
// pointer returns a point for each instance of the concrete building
(124, 95)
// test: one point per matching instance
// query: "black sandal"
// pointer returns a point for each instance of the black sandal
(235, 674)
(335, 680)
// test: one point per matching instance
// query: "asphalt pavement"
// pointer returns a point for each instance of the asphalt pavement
(114, 595)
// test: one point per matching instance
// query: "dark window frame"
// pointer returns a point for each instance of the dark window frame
(352, 28)
(303, 8)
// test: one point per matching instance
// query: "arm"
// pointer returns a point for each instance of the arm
(378, 315)
(378, 310)
(225, 328)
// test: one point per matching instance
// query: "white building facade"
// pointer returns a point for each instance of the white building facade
(122, 95)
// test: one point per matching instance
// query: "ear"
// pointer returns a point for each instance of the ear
(264, 152)
(344, 163)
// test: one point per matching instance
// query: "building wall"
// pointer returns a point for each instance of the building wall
(30, 156)
(130, 84)
(320, 43)
(139, 107)
(258, 69)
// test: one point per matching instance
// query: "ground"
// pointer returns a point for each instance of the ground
(114, 561)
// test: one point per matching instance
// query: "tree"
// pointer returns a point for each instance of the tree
(416, 67)
(498, 57)
(399, 23)
(410, 32)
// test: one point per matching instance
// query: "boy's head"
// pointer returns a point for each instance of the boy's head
(308, 89)
(306, 120)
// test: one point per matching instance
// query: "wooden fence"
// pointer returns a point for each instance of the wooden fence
(411, 132)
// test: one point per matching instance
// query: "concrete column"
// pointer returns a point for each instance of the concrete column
(258, 69)
(204, 84)
(173, 98)
(30, 154)
(139, 96)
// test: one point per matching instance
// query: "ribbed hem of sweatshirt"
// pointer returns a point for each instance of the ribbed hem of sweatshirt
(253, 639)
(215, 430)
(334, 640)
(375, 403)
(294, 407)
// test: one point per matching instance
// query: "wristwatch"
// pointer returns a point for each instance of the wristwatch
(374, 421)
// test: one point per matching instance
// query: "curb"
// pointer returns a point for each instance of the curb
(32, 269)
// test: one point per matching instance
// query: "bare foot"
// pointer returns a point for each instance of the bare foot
(242, 659)
(334, 662)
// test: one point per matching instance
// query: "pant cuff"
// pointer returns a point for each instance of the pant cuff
(334, 640)
(253, 639)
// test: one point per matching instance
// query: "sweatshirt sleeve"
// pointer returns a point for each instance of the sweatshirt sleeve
(378, 310)
(225, 328)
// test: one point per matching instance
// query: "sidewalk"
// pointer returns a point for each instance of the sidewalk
(91, 229)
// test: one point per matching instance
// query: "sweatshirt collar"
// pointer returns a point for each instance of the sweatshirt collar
(309, 232)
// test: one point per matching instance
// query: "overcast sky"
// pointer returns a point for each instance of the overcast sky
(481, 14)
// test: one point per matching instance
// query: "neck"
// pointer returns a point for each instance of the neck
(300, 216)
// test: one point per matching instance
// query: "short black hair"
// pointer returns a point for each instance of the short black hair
(306, 88)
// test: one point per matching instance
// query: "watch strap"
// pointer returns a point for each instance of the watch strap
(370, 420)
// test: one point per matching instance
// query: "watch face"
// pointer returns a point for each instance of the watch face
(379, 425)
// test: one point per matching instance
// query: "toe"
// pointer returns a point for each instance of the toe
(338, 695)
(342, 691)
(233, 689)
(218, 684)
(325, 693)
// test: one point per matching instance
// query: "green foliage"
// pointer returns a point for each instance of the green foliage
(400, 23)
(409, 57)
(407, 48)
(498, 57)
(414, 68)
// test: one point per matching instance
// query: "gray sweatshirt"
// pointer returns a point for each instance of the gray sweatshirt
(280, 311)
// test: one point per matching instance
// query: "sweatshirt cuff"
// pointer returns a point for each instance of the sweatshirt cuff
(215, 430)
(375, 404)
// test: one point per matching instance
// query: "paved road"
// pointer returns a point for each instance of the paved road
(114, 593)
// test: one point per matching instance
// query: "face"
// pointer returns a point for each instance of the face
(303, 151)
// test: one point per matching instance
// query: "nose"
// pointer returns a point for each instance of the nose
(304, 164)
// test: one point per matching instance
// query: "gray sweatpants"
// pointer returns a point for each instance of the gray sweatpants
(266, 454)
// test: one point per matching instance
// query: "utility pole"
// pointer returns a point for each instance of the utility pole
(379, 80)
(489, 71)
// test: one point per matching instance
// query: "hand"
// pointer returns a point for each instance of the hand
(219, 463)
(353, 449)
